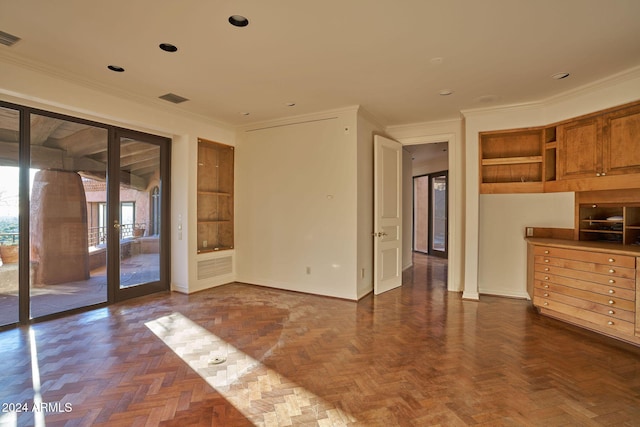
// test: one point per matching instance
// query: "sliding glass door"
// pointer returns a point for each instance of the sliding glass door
(138, 214)
(82, 214)
(9, 215)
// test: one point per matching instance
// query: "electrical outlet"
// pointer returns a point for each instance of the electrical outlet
(529, 231)
(205, 243)
(308, 270)
(362, 273)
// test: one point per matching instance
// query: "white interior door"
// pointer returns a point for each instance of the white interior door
(387, 233)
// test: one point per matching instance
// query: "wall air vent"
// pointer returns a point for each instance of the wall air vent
(172, 97)
(215, 267)
(8, 39)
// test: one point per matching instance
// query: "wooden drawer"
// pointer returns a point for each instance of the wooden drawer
(610, 291)
(611, 301)
(615, 325)
(541, 261)
(613, 312)
(587, 256)
(604, 279)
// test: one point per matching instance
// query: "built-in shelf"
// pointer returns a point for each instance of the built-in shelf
(215, 196)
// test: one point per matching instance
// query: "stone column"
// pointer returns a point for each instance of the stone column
(58, 228)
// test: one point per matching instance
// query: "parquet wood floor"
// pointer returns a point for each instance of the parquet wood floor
(415, 356)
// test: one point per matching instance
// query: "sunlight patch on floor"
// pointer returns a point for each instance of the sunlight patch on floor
(261, 394)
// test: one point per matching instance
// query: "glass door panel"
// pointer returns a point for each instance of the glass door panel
(138, 215)
(438, 244)
(68, 172)
(9, 215)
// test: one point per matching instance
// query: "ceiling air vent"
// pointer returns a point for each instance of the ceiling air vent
(172, 97)
(8, 39)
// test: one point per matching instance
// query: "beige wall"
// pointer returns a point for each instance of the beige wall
(297, 205)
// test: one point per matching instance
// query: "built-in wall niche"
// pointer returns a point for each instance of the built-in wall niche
(609, 216)
(215, 196)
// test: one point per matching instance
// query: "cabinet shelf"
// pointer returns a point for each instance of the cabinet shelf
(512, 160)
(214, 193)
(602, 231)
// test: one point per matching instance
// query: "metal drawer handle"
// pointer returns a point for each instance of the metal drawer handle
(612, 312)
(546, 269)
(546, 286)
(546, 277)
(611, 291)
(546, 260)
(546, 252)
(612, 260)
(611, 270)
(546, 303)
(610, 323)
(611, 301)
(612, 281)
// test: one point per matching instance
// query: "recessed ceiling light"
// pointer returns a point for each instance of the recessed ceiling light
(436, 61)
(168, 47)
(290, 104)
(244, 113)
(116, 68)
(560, 76)
(445, 92)
(238, 21)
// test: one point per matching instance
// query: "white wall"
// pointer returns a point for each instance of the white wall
(495, 251)
(367, 127)
(297, 205)
(504, 218)
(437, 164)
(31, 85)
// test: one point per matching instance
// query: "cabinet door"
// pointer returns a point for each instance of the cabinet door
(580, 149)
(621, 150)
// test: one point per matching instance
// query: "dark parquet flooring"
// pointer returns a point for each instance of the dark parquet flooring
(414, 356)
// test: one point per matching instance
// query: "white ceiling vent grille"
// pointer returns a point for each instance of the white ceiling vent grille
(8, 39)
(215, 267)
(172, 97)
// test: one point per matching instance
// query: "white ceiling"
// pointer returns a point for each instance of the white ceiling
(323, 55)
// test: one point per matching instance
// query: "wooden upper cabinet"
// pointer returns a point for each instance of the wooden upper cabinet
(580, 149)
(621, 141)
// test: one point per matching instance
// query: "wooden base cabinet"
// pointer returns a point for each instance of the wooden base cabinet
(592, 285)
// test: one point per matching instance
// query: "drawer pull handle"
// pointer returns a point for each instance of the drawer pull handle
(546, 252)
(612, 260)
(612, 312)
(546, 277)
(546, 260)
(611, 301)
(611, 291)
(546, 286)
(610, 323)
(612, 281)
(546, 269)
(546, 295)
(546, 303)
(611, 270)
